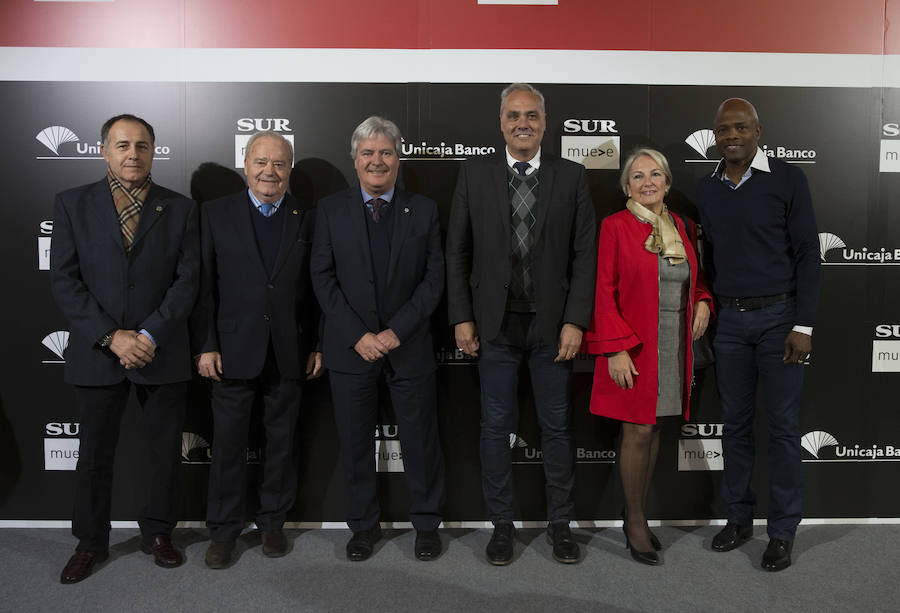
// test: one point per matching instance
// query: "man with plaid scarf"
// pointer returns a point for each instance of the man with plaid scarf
(125, 266)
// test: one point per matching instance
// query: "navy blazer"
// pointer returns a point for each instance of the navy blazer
(344, 283)
(564, 249)
(240, 306)
(99, 287)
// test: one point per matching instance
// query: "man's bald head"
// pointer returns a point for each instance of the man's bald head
(735, 104)
(736, 127)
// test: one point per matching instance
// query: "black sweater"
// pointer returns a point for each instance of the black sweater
(763, 237)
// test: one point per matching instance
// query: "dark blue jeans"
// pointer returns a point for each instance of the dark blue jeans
(498, 367)
(749, 349)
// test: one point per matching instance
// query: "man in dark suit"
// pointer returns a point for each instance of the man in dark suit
(252, 334)
(124, 271)
(378, 273)
(760, 228)
(521, 267)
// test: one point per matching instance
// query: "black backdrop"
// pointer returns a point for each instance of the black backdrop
(839, 135)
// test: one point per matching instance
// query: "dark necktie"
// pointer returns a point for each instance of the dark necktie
(521, 167)
(376, 203)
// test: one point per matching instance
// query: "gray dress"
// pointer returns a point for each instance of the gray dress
(674, 285)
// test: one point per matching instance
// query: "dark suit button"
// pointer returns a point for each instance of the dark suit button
(131, 286)
(270, 286)
(506, 286)
(267, 317)
(371, 281)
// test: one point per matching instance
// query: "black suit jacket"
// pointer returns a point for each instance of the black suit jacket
(345, 286)
(564, 250)
(240, 306)
(99, 287)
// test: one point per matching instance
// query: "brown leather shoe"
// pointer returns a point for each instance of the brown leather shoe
(164, 552)
(274, 543)
(81, 564)
(218, 555)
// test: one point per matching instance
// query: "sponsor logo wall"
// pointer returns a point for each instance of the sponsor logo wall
(595, 125)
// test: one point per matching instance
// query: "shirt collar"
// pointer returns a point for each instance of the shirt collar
(535, 161)
(760, 162)
(388, 196)
(258, 203)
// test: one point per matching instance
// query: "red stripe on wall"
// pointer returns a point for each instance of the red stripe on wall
(794, 26)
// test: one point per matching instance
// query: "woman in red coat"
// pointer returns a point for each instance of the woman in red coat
(651, 302)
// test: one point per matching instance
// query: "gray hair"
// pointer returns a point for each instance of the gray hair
(265, 133)
(372, 127)
(521, 87)
(654, 155)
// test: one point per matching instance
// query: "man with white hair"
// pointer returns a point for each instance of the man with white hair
(378, 272)
(252, 334)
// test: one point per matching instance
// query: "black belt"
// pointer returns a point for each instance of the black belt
(754, 303)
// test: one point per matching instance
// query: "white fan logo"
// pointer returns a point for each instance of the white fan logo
(57, 343)
(54, 136)
(814, 441)
(829, 241)
(700, 141)
(190, 442)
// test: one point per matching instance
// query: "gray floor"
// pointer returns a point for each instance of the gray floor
(836, 568)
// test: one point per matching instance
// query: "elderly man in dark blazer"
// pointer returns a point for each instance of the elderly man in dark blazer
(378, 272)
(253, 333)
(124, 271)
(520, 282)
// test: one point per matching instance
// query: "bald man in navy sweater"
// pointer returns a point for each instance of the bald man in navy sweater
(760, 228)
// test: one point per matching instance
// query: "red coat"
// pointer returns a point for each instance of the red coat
(626, 317)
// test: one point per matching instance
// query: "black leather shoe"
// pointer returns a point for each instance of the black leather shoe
(778, 555)
(731, 536)
(164, 552)
(218, 554)
(81, 564)
(274, 543)
(362, 544)
(499, 550)
(565, 549)
(428, 545)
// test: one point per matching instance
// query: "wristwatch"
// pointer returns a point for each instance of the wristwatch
(106, 339)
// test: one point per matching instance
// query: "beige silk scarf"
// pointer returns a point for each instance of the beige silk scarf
(664, 239)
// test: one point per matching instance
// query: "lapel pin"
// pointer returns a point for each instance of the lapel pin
(406, 210)
(294, 212)
(158, 208)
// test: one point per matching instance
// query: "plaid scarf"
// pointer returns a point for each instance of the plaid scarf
(129, 203)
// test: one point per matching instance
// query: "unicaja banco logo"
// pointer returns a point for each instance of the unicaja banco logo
(700, 141)
(854, 256)
(516, 441)
(814, 441)
(54, 136)
(57, 343)
(829, 241)
(194, 449)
